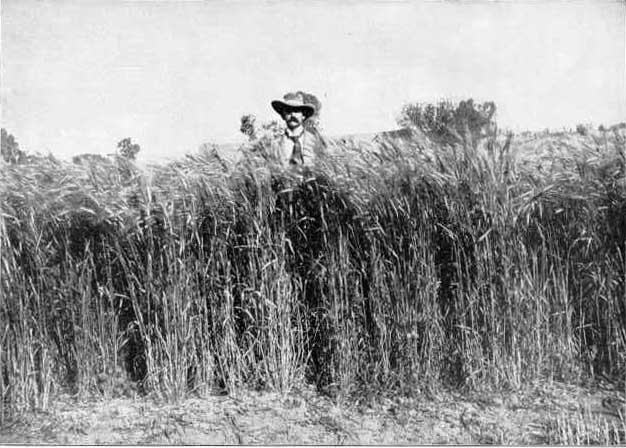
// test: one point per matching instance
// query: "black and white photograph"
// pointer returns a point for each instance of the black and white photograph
(313, 222)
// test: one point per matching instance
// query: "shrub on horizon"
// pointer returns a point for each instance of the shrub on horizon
(449, 124)
(248, 126)
(11, 152)
(128, 149)
(581, 129)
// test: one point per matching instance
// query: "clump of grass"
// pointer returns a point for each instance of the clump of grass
(397, 267)
(586, 428)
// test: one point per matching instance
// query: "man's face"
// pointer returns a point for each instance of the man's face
(293, 118)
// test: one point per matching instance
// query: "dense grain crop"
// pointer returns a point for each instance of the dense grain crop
(397, 268)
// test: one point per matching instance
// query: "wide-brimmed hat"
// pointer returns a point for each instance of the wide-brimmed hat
(293, 102)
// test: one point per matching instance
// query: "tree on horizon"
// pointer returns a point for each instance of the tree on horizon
(449, 123)
(128, 149)
(10, 150)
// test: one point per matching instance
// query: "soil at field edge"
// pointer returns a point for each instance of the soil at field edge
(523, 417)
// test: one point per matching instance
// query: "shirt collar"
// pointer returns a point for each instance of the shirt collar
(296, 133)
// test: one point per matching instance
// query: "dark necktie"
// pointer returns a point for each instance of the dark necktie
(296, 155)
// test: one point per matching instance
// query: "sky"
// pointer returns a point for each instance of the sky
(77, 76)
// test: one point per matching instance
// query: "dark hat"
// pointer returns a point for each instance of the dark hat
(293, 102)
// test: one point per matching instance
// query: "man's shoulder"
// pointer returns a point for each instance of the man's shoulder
(281, 141)
(312, 132)
(314, 136)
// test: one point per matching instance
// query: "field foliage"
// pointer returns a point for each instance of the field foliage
(395, 268)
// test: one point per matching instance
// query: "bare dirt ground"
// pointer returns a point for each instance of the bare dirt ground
(541, 414)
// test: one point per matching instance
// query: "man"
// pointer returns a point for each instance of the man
(298, 146)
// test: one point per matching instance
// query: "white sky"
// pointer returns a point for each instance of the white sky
(78, 76)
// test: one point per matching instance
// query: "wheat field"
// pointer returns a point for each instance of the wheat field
(397, 267)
